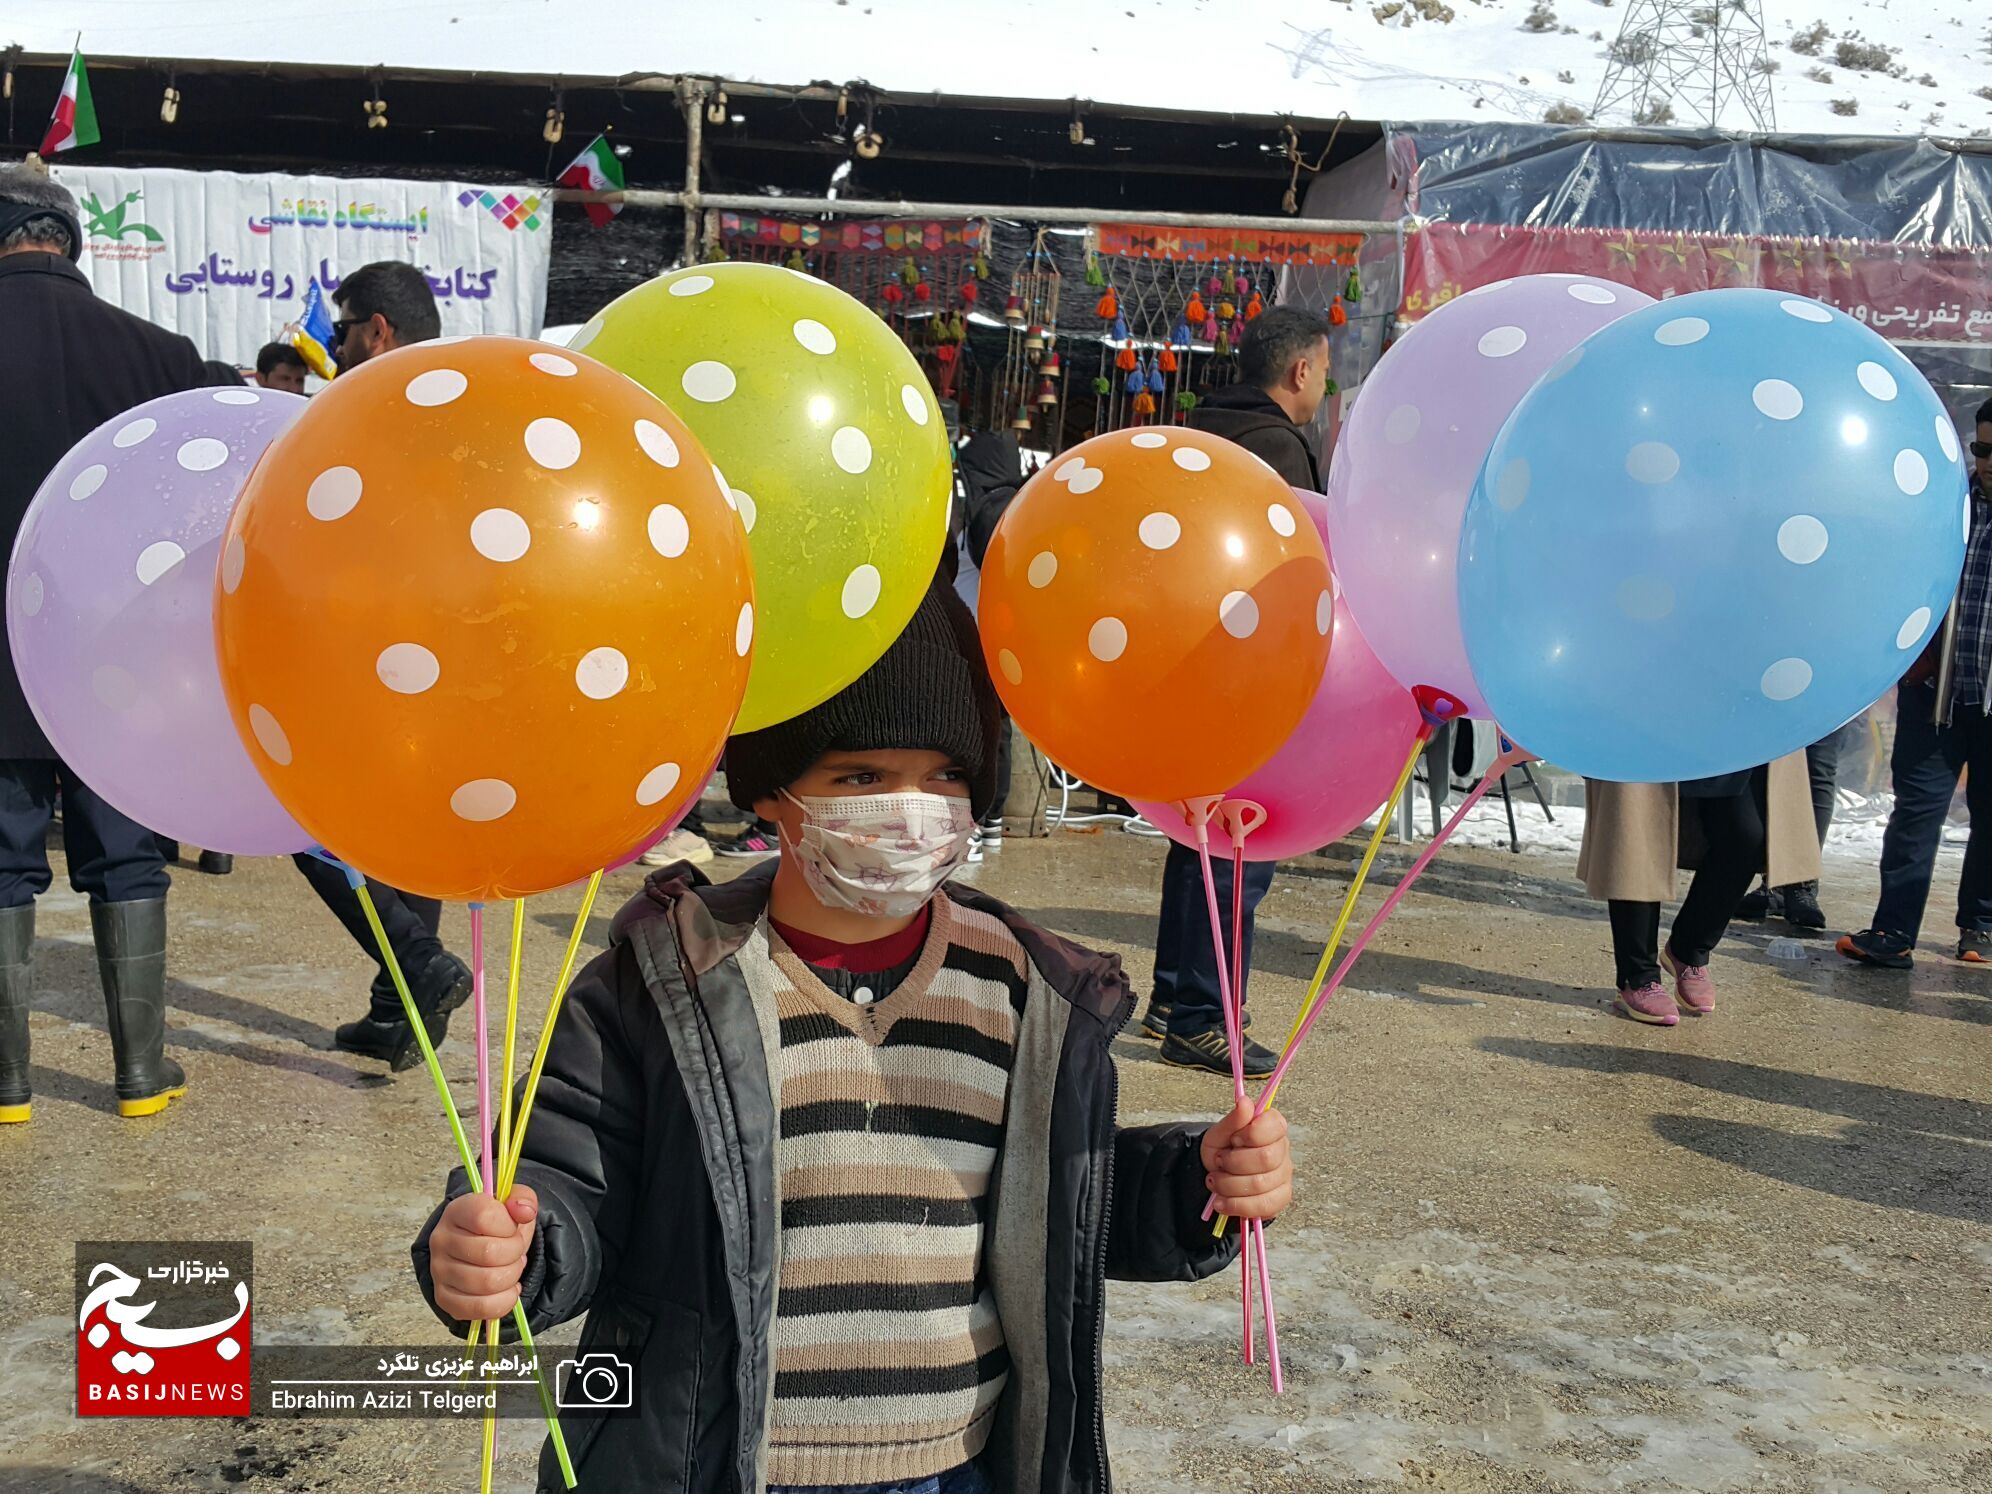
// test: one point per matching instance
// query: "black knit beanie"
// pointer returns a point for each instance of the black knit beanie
(929, 692)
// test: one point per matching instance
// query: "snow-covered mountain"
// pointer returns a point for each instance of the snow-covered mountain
(1513, 60)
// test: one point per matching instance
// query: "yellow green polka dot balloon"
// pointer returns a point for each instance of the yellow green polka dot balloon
(832, 448)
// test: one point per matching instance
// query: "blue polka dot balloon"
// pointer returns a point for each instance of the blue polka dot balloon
(1717, 529)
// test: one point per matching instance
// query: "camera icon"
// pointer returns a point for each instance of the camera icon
(594, 1382)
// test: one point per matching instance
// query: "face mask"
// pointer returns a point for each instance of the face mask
(883, 855)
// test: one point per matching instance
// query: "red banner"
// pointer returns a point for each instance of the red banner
(1906, 292)
(1295, 246)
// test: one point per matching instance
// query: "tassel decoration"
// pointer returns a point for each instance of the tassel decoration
(1179, 335)
(969, 292)
(1254, 306)
(923, 292)
(1120, 329)
(1214, 287)
(892, 295)
(1166, 360)
(1144, 405)
(1237, 330)
(1220, 343)
(1156, 383)
(910, 272)
(1226, 311)
(1354, 291)
(1137, 381)
(1102, 385)
(1109, 306)
(797, 263)
(1125, 358)
(1338, 316)
(1095, 276)
(1194, 312)
(1241, 287)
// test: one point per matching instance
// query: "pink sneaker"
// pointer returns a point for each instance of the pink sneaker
(1648, 1004)
(1691, 984)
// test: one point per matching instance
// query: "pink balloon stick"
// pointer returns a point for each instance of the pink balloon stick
(1257, 1229)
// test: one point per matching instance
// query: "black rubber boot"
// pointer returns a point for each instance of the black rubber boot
(131, 962)
(17, 989)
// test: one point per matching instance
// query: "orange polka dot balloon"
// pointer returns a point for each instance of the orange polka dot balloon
(484, 617)
(1156, 610)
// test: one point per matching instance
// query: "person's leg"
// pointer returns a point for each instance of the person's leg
(27, 804)
(1822, 765)
(112, 858)
(1197, 1033)
(1180, 880)
(1974, 885)
(1257, 882)
(116, 861)
(1733, 832)
(1635, 943)
(1924, 767)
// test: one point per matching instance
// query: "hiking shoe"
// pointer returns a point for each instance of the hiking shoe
(1648, 1004)
(758, 840)
(1877, 947)
(1210, 1050)
(679, 845)
(1974, 946)
(1756, 905)
(1802, 910)
(1693, 990)
(1155, 1021)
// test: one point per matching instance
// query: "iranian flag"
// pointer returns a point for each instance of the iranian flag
(75, 120)
(596, 169)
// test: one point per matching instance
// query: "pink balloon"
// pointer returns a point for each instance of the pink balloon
(1412, 447)
(1341, 761)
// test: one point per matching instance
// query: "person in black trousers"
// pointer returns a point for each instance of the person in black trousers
(1798, 904)
(1936, 739)
(1282, 380)
(69, 363)
(1729, 812)
(382, 307)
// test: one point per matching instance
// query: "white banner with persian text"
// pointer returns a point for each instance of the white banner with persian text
(225, 258)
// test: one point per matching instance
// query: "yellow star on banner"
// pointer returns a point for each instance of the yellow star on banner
(1627, 249)
(1677, 249)
(1836, 251)
(1742, 261)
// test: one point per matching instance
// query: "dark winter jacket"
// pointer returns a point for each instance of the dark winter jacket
(68, 363)
(1247, 414)
(992, 469)
(652, 1151)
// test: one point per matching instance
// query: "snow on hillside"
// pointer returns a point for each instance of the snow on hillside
(1376, 59)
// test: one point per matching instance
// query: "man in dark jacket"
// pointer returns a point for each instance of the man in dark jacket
(382, 307)
(68, 363)
(1943, 728)
(830, 1155)
(1282, 379)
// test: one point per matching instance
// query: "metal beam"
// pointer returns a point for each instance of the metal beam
(848, 207)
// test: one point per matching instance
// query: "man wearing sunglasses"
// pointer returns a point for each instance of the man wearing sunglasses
(382, 307)
(1938, 736)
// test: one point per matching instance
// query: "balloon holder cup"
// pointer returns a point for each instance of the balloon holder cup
(1436, 706)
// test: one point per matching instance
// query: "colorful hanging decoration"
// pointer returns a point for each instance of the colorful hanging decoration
(1353, 292)
(1338, 316)
(1120, 329)
(1237, 330)
(1220, 341)
(892, 295)
(1021, 421)
(1109, 306)
(1046, 395)
(1156, 384)
(1226, 311)
(1125, 358)
(1049, 367)
(969, 292)
(1166, 361)
(1179, 335)
(1013, 309)
(1102, 385)
(1193, 312)
(1240, 286)
(797, 263)
(1214, 287)
(1254, 306)
(1095, 276)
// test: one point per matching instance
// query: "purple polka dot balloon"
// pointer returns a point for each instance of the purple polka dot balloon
(110, 614)
(1412, 447)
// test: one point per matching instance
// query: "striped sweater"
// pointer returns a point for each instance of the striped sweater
(889, 1357)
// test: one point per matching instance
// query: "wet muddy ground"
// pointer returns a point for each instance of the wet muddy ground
(1535, 1246)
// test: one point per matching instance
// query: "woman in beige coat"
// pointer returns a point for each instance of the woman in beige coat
(1728, 829)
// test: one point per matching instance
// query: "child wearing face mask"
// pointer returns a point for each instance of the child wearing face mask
(829, 1155)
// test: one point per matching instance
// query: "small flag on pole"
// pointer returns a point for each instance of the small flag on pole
(74, 122)
(596, 169)
(312, 336)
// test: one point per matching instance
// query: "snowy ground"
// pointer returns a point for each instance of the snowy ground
(1855, 836)
(1376, 59)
